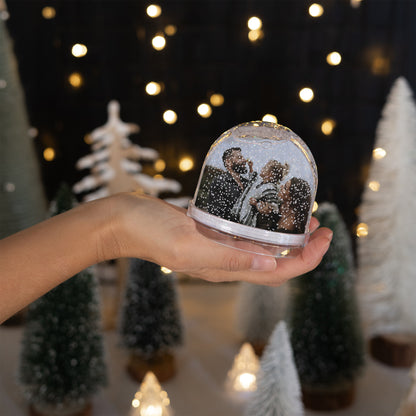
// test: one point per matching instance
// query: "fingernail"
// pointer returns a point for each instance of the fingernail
(263, 263)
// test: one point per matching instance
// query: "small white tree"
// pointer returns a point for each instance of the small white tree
(278, 389)
(408, 405)
(114, 162)
(387, 274)
(258, 310)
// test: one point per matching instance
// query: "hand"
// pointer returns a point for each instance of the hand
(250, 165)
(151, 229)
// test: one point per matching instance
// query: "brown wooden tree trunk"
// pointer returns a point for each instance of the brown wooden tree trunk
(163, 365)
(329, 399)
(395, 350)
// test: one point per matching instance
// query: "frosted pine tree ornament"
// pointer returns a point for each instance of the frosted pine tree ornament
(256, 190)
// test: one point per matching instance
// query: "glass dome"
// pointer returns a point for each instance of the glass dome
(256, 190)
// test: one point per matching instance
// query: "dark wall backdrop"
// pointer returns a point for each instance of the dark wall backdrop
(211, 53)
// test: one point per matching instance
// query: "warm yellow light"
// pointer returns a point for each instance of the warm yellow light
(327, 126)
(374, 186)
(186, 164)
(79, 50)
(255, 35)
(166, 271)
(159, 165)
(355, 3)
(315, 206)
(379, 153)
(285, 252)
(153, 88)
(334, 58)
(306, 95)
(216, 100)
(247, 380)
(380, 65)
(158, 176)
(154, 10)
(204, 110)
(151, 410)
(75, 79)
(48, 12)
(316, 10)
(159, 42)
(254, 23)
(170, 117)
(170, 30)
(270, 118)
(49, 154)
(135, 403)
(362, 230)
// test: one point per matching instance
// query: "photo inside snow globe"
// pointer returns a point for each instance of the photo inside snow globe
(256, 190)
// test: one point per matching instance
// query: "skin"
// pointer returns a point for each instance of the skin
(39, 258)
(236, 158)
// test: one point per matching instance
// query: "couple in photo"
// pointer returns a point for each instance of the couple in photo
(259, 200)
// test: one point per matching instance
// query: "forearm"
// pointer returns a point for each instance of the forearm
(35, 260)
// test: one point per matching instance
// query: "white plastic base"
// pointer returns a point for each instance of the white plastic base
(245, 238)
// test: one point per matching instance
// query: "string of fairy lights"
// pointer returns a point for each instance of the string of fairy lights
(205, 109)
(216, 99)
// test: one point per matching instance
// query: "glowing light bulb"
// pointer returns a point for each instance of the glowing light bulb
(255, 35)
(374, 185)
(79, 50)
(247, 380)
(216, 100)
(186, 164)
(254, 23)
(379, 153)
(306, 94)
(270, 118)
(166, 271)
(362, 230)
(151, 410)
(76, 80)
(327, 126)
(49, 154)
(334, 58)
(153, 88)
(170, 117)
(135, 403)
(316, 10)
(48, 12)
(159, 165)
(170, 30)
(159, 42)
(315, 206)
(204, 110)
(154, 10)
(355, 3)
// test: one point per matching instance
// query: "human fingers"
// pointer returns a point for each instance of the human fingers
(286, 268)
(314, 224)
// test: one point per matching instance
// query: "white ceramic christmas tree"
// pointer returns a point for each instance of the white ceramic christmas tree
(278, 389)
(114, 162)
(243, 374)
(151, 400)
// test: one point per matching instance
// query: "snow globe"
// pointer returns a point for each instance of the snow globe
(256, 190)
